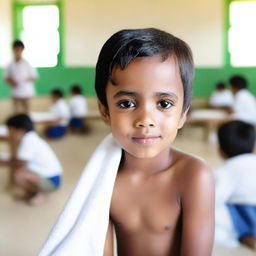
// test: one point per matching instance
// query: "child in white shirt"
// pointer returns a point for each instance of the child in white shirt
(60, 112)
(78, 108)
(235, 186)
(36, 169)
(20, 75)
(221, 97)
(244, 107)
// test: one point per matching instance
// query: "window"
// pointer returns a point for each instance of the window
(40, 34)
(241, 35)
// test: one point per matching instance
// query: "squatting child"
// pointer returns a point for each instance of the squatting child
(36, 170)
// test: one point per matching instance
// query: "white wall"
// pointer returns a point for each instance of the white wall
(88, 23)
(5, 32)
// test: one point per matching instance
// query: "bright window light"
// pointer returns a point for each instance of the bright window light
(242, 36)
(40, 35)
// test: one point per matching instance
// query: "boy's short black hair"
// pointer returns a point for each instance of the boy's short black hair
(236, 138)
(57, 93)
(126, 45)
(238, 82)
(18, 43)
(76, 88)
(20, 121)
(220, 86)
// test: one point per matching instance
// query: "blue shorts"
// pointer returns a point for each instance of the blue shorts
(243, 219)
(56, 132)
(49, 184)
(76, 122)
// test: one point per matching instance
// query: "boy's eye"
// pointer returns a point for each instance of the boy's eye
(126, 104)
(165, 104)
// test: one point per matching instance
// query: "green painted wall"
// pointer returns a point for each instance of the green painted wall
(205, 79)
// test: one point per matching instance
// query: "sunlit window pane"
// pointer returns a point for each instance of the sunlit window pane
(242, 36)
(40, 35)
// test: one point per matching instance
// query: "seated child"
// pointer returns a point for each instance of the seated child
(60, 110)
(221, 97)
(78, 108)
(37, 169)
(163, 199)
(235, 185)
(244, 107)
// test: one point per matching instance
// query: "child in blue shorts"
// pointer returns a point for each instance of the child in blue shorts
(36, 168)
(60, 112)
(235, 185)
(78, 109)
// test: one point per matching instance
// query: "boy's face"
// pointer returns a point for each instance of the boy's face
(145, 107)
(18, 52)
(15, 135)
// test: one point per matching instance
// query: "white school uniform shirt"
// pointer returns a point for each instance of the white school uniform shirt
(39, 156)
(222, 98)
(20, 71)
(78, 106)
(234, 184)
(245, 107)
(60, 110)
(235, 181)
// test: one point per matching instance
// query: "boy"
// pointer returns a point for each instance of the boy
(221, 97)
(20, 75)
(235, 185)
(78, 108)
(161, 196)
(61, 114)
(244, 107)
(163, 199)
(36, 170)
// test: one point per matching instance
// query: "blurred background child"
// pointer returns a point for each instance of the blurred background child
(36, 170)
(20, 75)
(244, 107)
(221, 97)
(60, 111)
(78, 109)
(235, 185)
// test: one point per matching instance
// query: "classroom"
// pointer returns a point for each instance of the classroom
(60, 42)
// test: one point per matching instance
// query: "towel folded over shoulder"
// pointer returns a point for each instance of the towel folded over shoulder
(81, 228)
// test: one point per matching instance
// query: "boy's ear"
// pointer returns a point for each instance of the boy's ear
(104, 113)
(183, 118)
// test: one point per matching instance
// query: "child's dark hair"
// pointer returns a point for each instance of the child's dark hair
(126, 45)
(76, 89)
(18, 43)
(57, 93)
(238, 82)
(220, 86)
(20, 121)
(236, 138)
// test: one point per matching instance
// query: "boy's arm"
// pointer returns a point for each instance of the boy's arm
(10, 81)
(198, 212)
(109, 246)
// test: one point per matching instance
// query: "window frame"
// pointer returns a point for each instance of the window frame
(18, 7)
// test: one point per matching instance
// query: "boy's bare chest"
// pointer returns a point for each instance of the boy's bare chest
(151, 206)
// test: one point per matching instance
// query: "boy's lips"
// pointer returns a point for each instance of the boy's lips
(146, 140)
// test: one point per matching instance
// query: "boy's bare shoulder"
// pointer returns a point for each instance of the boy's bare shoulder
(191, 170)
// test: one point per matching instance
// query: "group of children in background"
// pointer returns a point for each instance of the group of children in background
(239, 102)
(66, 115)
(235, 180)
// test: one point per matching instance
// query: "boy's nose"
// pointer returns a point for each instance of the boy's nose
(145, 120)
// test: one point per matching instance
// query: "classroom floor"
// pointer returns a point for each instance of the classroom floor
(24, 228)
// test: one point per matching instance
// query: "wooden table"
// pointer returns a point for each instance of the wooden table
(210, 119)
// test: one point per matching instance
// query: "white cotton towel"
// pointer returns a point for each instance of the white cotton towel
(82, 226)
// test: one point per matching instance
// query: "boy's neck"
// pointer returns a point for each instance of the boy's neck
(147, 166)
